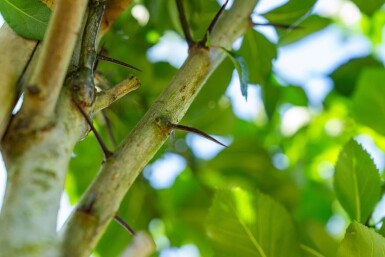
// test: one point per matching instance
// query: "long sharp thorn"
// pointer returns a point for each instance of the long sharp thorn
(213, 23)
(184, 23)
(112, 60)
(124, 225)
(107, 153)
(196, 131)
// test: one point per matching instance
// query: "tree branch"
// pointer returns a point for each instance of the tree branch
(43, 90)
(83, 230)
(15, 51)
(141, 246)
(39, 143)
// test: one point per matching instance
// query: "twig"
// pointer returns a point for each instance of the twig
(184, 23)
(203, 41)
(112, 60)
(277, 25)
(124, 225)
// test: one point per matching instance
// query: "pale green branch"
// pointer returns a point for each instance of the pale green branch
(83, 229)
(43, 89)
(15, 51)
(106, 97)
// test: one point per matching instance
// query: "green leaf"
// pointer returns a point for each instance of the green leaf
(345, 76)
(241, 67)
(369, 99)
(27, 18)
(244, 224)
(369, 7)
(305, 28)
(361, 241)
(259, 53)
(290, 12)
(356, 181)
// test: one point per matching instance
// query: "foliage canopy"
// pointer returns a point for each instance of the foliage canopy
(271, 192)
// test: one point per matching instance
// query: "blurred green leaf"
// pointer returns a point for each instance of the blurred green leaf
(290, 12)
(361, 241)
(316, 240)
(308, 26)
(254, 223)
(369, 7)
(369, 99)
(258, 53)
(83, 167)
(28, 18)
(357, 182)
(345, 76)
(241, 67)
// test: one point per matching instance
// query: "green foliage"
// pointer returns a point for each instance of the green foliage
(361, 241)
(345, 76)
(290, 12)
(369, 7)
(28, 18)
(370, 90)
(357, 182)
(254, 223)
(240, 66)
(258, 53)
(306, 27)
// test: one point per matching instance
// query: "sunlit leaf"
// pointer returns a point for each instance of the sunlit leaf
(241, 67)
(361, 241)
(369, 99)
(290, 12)
(356, 181)
(259, 53)
(369, 7)
(308, 26)
(254, 223)
(28, 18)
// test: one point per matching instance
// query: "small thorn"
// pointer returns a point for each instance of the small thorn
(112, 60)
(184, 23)
(124, 225)
(107, 153)
(212, 24)
(195, 131)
